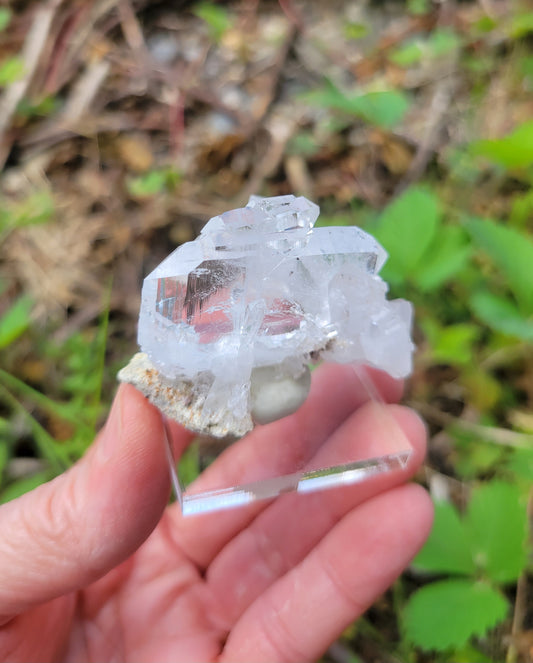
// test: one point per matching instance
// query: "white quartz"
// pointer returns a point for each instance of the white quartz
(261, 287)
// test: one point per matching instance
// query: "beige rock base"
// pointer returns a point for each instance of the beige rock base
(181, 400)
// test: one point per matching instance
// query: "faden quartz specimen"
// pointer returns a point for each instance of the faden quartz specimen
(230, 322)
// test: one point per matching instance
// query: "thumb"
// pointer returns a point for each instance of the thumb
(69, 532)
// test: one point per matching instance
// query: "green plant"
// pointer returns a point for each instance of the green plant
(5, 18)
(217, 18)
(34, 209)
(354, 30)
(504, 306)
(418, 7)
(42, 107)
(153, 182)
(450, 344)
(439, 43)
(521, 24)
(480, 553)
(15, 320)
(60, 427)
(385, 108)
(423, 250)
(513, 152)
(11, 70)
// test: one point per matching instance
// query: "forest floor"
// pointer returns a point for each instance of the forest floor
(126, 124)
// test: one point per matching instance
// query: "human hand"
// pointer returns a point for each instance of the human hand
(94, 567)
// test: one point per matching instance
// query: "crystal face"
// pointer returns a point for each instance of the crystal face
(262, 287)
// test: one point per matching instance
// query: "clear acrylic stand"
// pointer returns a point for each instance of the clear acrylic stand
(354, 461)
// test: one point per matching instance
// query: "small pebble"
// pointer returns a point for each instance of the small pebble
(275, 395)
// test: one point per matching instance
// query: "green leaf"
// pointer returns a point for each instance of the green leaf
(46, 445)
(147, 185)
(522, 209)
(55, 408)
(451, 344)
(520, 464)
(525, 66)
(511, 251)
(483, 389)
(502, 315)
(385, 109)
(37, 108)
(512, 151)
(37, 208)
(418, 7)
(303, 143)
(217, 18)
(11, 70)
(485, 24)
(443, 41)
(470, 653)
(24, 485)
(462, 165)
(447, 255)
(355, 30)
(4, 445)
(15, 320)
(446, 614)
(407, 54)
(446, 550)
(154, 182)
(5, 18)
(521, 25)
(406, 229)
(473, 457)
(496, 518)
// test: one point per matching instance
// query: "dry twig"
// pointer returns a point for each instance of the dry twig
(437, 112)
(440, 103)
(31, 55)
(503, 436)
(84, 92)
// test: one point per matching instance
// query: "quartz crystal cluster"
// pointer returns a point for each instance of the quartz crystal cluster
(255, 299)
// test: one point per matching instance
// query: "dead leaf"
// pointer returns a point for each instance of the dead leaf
(135, 151)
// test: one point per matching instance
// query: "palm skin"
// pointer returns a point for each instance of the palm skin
(93, 567)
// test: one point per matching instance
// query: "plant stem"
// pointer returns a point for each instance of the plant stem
(57, 457)
(521, 602)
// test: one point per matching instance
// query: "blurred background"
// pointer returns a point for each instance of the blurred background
(126, 124)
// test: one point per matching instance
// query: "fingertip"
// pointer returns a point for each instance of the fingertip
(415, 509)
(137, 412)
(414, 429)
(141, 422)
(139, 418)
(130, 419)
(129, 482)
(389, 389)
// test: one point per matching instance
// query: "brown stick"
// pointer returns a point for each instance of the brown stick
(503, 436)
(31, 54)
